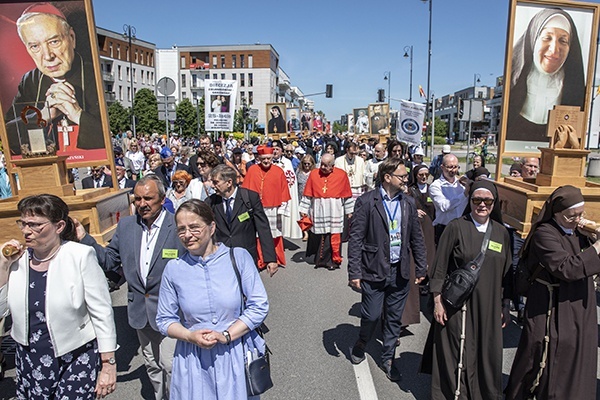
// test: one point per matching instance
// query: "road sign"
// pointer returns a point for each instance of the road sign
(166, 86)
(161, 99)
(253, 113)
(161, 115)
(170, 106)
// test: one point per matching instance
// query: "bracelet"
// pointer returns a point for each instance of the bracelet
(227, 336)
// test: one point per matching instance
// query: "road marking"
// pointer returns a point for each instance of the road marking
(364, 381)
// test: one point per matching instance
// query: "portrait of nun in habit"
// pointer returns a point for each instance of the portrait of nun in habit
(547, 70)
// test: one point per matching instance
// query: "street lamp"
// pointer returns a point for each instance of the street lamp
(429, 60)
(406, 55)
(387, 76)
(129, 33)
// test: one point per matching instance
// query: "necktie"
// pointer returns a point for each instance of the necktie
(228, 210)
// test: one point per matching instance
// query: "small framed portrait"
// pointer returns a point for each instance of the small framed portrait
(306, 121)
(50, 83)
(361, 121)
(294, 125)
(276, 118)
(550, 57)
(379, 118)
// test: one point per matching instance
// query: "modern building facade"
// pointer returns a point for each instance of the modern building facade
(118, 61)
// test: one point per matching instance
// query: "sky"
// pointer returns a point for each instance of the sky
(350, 44)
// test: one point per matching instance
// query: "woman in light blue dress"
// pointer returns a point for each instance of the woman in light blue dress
(200, 306)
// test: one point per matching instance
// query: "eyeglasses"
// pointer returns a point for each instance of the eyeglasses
(306, 163)
(195, 230)
(34, 226)
(426, 175)
(402, 177)
(201, 164)
(175, 183)
(478, 200)
(574, 218)
(451, 167)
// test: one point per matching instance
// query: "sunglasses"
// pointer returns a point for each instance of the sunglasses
(478, 200)
(201, 164)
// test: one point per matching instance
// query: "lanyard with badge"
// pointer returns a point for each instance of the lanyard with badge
(394, 229)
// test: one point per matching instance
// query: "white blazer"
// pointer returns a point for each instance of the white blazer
(78, 304)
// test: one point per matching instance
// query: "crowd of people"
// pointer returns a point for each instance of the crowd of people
(210, 215)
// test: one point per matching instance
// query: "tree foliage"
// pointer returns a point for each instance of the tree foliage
(145, 108)
(186, 112)
(118, 118)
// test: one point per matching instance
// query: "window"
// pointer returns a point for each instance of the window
(148, 77)
(250, 61)
(119, 51)
(194, 80)
(234, 77)
(136, 55)
(233, 60)
(142, 76)
(207, 76)
(250, 79)
(128, 93)
(214, 76)
(134, 76)
(110, 49)
(250, 98)
(183, 80)
(222, 76)
(152, 77)
(242, 62)
(127, 53)
(120, 72)
(120, 93)
(222, 61)
(182, 62)
(242, 80)
(128, 75)
(141, 57)
(214, 62)
(242, 96)
(184, 95)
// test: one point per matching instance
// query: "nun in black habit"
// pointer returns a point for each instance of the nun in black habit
(564, 287)
(481, 375)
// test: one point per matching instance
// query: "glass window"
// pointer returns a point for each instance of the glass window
(134, 76)
(136, 55)
(250, 98)
(110, 49)
(128, 75)
(250, 61)
(222, 61)
(233, 60)
(119, 51)
(120, 93)
(120, 72)
(128, 93)
(242, 61)
(222, 76)
(250, 79)
(215, 76)
(234, 77)
(183, 80)
(242, 80)
(214, 63)
(182, 62)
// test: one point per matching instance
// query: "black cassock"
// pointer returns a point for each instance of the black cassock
(481, 376)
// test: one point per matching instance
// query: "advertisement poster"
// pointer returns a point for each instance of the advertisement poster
(410, 122)
(220, 105)
(49, 79)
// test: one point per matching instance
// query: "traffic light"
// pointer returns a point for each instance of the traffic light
(329, 91)
(381, 96)
(246, 112)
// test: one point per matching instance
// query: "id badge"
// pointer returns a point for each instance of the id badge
(395, 235)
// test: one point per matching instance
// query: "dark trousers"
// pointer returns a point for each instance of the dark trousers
(391, 294)
(438, 230)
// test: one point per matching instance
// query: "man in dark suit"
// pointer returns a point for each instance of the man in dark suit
(169, 166)
(98, 179)
(384, 231)
(143, 244)
(122, 180)
(239, 215)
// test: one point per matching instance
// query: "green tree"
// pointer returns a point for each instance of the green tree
(238, 121)
(145, 107)
(200, 114)
(337, 127)
(187, 112)
(118, 117)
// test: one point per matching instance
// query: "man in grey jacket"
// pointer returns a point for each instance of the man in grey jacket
(143, 244)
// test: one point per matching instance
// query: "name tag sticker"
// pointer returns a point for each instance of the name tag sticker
(244, 217)
(429, 200)
(495, 246)
(169, 253)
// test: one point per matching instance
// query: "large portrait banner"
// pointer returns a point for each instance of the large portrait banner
(50, 83)
(221, 96)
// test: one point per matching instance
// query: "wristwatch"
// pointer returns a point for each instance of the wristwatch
(111, 361)
(227, 336)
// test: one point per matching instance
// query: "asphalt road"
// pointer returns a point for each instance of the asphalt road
(314, 319)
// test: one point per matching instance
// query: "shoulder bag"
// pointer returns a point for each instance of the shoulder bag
(459, 284)
(258, 369)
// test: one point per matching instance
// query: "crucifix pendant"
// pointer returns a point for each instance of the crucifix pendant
(65, 129)
(325, 188)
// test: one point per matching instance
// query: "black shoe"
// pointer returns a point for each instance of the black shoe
(391, 372)
(357, 355)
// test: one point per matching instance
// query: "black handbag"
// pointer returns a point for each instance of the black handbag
(258, 371)
(459, 285)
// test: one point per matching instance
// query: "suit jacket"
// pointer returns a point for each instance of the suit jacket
(129, 183)
(161, 172)
(78, 305)
(124, 248)
(88, 182)
(243, 233)
(369, 242)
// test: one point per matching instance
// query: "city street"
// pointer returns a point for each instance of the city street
(314, 318)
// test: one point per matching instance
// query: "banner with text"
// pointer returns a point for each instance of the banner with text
(220, 105)
(410, 122)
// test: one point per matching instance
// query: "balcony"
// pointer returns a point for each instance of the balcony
(110, 97)
(108, 76)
